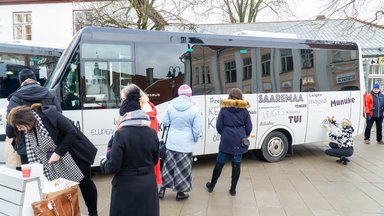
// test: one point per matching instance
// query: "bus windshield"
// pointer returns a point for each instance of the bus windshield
(63, 59)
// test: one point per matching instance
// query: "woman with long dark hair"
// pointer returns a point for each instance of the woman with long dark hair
(52, 140)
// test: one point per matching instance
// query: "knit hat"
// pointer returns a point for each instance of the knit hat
(376, 86)
(25, 74)
(236, 94)
(131, 102)
(185, 90)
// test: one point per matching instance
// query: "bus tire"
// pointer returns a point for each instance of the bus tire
(275, 147)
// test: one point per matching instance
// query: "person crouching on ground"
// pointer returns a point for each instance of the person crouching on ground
(342, 134)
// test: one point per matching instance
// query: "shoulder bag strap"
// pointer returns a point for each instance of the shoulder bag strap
(165, 133)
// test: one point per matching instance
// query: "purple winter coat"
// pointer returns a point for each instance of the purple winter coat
(233, 124)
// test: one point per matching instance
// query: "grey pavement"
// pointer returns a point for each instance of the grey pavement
(305, 183)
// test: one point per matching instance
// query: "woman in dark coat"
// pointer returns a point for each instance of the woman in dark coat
(52, 140)
(233, 124)
(133, 156)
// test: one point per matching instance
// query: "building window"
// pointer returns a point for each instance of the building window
(247, 68)
(337, 56)
(197, 75)
(286, 60)
(206, 75)
(82, 18)
(266, 64)
(230, 71)
(307, 58)
(22, 26)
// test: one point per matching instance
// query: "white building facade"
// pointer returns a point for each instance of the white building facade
(40, 21)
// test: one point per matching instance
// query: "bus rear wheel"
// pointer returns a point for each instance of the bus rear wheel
(275, 147)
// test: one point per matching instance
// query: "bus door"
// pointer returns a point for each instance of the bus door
(101, 100)
(106, 68)
(199, 78)
(70, 91)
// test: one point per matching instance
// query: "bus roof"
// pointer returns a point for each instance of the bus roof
(32, 48)
(117, 35)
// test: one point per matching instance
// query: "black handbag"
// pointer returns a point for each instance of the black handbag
(245, 143)
(163, 141)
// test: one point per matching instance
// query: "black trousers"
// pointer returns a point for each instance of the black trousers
(336, 151)
(379, 122)
(87, 187)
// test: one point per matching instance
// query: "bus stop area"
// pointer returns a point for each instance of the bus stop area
(305, 183)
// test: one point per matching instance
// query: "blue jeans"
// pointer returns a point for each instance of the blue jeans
(222, 158)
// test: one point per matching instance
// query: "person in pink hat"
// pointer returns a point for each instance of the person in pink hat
(184, 121)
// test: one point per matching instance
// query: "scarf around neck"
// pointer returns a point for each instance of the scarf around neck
(136, 118)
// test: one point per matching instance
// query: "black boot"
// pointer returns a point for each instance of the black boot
(215, 175)
(235, 178)
(161, 192)
(344, 160)
(181, 196)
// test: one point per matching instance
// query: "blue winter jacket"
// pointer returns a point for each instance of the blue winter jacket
(233, 124)
(378, 104)
(183, 119)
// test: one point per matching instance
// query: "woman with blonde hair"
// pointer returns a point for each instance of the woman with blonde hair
(132, 159)
(149, 109)
(341, 133)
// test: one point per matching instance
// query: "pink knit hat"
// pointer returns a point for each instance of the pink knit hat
(185, 90)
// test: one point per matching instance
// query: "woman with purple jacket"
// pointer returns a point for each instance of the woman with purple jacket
(233, 124)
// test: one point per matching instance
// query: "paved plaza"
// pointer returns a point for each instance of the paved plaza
(305, 183)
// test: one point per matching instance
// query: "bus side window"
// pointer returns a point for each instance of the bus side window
(70, 88)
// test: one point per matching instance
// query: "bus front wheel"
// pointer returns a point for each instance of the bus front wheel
(275, 147)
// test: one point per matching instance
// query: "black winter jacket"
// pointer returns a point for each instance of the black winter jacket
(29, 94)
(134, 154)
(66, 136)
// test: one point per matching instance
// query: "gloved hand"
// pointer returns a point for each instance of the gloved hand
(367, 116)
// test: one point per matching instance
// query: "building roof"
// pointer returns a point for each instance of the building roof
(369, 37)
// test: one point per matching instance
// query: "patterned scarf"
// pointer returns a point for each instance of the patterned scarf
(135, 118)
(39, 143)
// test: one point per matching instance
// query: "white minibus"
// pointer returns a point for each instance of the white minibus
(292, 84)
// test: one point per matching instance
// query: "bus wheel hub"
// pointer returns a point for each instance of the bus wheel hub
(275, 146)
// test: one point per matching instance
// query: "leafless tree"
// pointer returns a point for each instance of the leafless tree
(370, 11)
(247, 11)
(135, 14)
